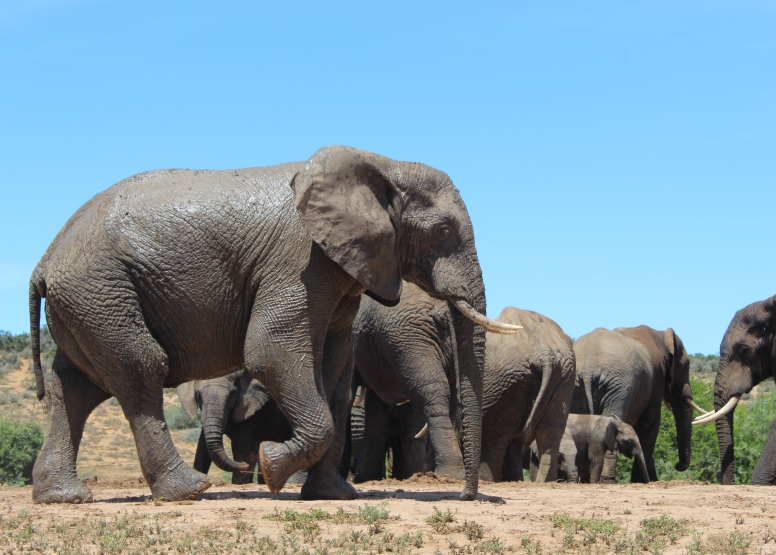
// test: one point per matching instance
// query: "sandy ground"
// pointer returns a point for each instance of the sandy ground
(519, 514)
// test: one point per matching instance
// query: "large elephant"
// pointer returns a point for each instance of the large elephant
(241, 408)
(629, 373)
(747, 356)
(413, 352)
(178, 275)
(598, 440)
(529, 381)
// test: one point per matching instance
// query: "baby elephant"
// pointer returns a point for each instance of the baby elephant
(599, 439)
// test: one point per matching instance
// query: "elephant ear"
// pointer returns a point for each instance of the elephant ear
(251, 397)
(351, 208)
(187, 393)
(610, 438)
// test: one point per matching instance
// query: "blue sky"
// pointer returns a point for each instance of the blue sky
(618, 158)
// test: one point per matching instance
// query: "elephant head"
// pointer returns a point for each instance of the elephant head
(229, 399)
(621, 438)
(746, 357)
(383, 221)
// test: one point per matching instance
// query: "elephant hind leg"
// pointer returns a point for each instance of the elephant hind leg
(135, 375)
(73, 398)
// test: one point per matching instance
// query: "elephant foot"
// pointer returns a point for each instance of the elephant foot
(183, 483)
(469, 494)
(333, 487)
(61, 491)
(275, 459)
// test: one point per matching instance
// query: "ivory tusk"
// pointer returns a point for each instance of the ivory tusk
(667, 405)
(493, 326)
(422, 432)
(706, 418)
(361, 396)
(696, 407)
(402, 403)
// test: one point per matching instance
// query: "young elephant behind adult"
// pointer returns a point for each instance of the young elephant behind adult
(529, 381)
(240, 407)
(415, 352)
(567, 457)
(629, 373)
(747, 356)
(598, 440)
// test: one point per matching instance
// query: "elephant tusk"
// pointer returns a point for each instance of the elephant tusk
(422, 432)
(706, 418)
(696, 407)
(402, 403)
(493, 326)
(667, 405)
(361, 395)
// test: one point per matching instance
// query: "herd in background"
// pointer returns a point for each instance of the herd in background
(565, 411)
(273, 297)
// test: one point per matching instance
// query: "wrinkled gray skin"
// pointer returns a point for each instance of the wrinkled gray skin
(629, 373)
(747, 356)
(567, 455)
(179, 275)
(599, 439)
(405, 353)
(529, 380)
(240, 407)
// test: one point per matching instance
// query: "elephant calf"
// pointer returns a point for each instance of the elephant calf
(598, 440)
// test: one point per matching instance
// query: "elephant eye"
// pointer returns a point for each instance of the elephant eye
(442, 233)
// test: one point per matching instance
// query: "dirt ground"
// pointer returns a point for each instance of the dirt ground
(523, 517)
(420, 515)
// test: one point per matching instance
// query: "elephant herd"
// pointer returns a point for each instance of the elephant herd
(272, 297)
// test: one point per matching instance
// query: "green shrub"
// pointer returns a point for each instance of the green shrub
(20, 443)
(177, 419)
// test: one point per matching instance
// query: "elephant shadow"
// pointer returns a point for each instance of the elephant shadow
(214, 496)
(424, 496)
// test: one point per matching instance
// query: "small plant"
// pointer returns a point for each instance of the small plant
(532, 547)
(440, 521)
(473, 530)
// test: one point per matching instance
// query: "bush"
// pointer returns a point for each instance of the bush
(177, 419)
(704, 363)
(20, 443)
(752, 424)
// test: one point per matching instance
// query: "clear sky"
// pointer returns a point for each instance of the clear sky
(618, 158)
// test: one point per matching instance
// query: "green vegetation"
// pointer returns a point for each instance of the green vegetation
(704, 363)
(751, 427)
(20, 443)
(653, 537)
(177, 419)
(15, 347)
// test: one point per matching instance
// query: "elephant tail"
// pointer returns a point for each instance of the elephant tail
(587, 380)
(37, 291)
(542, 398)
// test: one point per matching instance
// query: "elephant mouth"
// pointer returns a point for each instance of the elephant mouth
(493, 326)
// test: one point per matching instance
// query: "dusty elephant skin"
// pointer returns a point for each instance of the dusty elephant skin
(598, 441)
(239, 407)
(747, 356)
(529, 381)
(178, 275)
(417, 351)
(629, 373)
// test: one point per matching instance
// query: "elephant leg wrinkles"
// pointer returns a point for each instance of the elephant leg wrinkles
(73, 398)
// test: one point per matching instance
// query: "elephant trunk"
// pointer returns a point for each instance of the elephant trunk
(683, 414)
(638, 458)
(470, 338)
(214, 409)
(726, 444)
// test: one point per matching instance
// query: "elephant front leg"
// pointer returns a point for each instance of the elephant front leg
(647, 439)
(324, 480)
(73, 398)
(377, 421)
